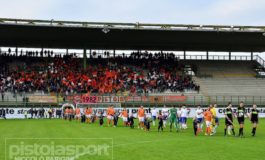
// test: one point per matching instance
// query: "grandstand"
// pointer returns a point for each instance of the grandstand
(211, 78)
(143, 72)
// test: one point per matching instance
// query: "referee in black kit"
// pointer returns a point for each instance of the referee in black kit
(241, 112)
(254, 118)
(229, 119)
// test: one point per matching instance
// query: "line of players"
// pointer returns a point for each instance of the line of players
(212, 121)
(175, 117)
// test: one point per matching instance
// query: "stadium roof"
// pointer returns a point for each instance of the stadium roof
(135, 36)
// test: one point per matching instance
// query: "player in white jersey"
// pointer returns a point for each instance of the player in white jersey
(199, 117)
(165, 114)
(183, 117)
(154, 113)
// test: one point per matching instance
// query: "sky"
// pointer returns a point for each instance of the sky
(224, 12)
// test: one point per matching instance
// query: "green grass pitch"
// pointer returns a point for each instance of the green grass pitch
(136, 144)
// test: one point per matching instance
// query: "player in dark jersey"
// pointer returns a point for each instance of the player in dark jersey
(147, 122)
(195, 125)
(131, 121)
(101, 118)
(3, 113)
(160, 121)
(241, 112)
(229, 119)
(116, 118)
(254, 118)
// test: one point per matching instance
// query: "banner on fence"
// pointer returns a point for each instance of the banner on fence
(121, 99)
(43, 99)
(176, 99)
(136, 99)
(98, 99)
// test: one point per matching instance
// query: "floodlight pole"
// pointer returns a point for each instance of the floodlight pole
(207, 55)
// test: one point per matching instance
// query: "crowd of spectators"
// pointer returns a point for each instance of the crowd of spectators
(136, 73)
(32, 53)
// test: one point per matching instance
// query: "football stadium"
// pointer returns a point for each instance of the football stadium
(80, 90)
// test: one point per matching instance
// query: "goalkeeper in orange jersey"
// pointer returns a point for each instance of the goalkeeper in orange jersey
(208, 120)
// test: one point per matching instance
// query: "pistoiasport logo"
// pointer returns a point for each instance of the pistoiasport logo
(58, 148)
